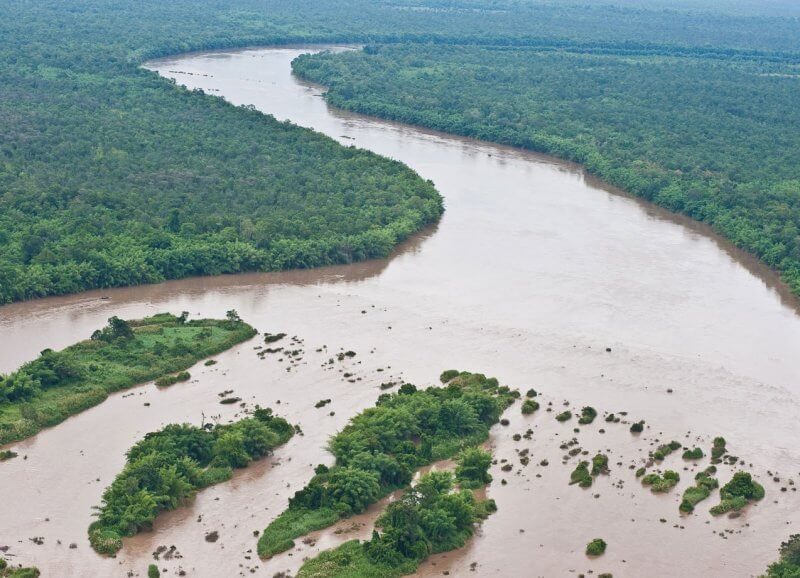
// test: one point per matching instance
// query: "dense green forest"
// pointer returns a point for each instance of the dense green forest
(716, 139)
(167, 467)
(429, 518)
(58, 384)
(379, 450)
(111, 176)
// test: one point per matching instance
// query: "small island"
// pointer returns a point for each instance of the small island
(44, 392)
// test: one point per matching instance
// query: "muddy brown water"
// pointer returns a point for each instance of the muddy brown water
(533, 272)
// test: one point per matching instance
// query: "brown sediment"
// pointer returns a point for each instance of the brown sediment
(532, 274)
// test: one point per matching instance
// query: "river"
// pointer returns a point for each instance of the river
(533, 272)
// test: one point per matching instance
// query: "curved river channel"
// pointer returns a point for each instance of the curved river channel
(534, 271)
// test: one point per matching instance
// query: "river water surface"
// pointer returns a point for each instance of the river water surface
(534, 271)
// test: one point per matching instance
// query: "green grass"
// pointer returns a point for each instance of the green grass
(350, 560)
(280, 534)
(161, 345)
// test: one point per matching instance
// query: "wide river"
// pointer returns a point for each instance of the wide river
(534, 271)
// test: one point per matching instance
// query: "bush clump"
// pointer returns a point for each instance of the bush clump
(661, 483)
(167, 380)
(588, 414)
(596, 547)
(704, 484)
(167, 467)
(529, 406)
(564, 416)
(472, 468)
(637, 427)
(581, 475)
(718, 450)
(736, 494)
(693, 454)
(447, 375)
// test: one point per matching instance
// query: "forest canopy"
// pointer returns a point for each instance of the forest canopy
(111, 176)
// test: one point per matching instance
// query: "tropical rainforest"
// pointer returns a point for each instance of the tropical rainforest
(58, 384)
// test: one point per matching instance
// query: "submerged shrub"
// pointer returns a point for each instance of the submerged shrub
(596, 547)
(564, 416)
(588, 414)
(529, 406)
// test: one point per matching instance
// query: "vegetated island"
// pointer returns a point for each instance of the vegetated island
(429, 518)
(58, 384)
(788, 565)
(379, 450)
(167, 467)
(7, 571)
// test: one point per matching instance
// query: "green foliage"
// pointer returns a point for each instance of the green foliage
(661, 483)
(7, 571)
(564, 416)
(718, 450)
(427, 519)
(7, 455)
(167, 380)
(581, 476)
(381, 447)
(596, 547)
(588, 414)
(637, 427)
(664, 450)
(704, 483)
(167, 467)
(693, 454)
(788, 566)
(447, 375)
(472, 468)
(529, 406)
(676, 130)
(599, 464)
(58, 384)
(153, 571)
(736, 494)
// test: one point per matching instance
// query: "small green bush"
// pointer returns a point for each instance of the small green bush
(581, 475)
(153, 572)
(529, 406)
(637, 427)
(588, 414)
(596, 547)
(564, 416)
(693, 454)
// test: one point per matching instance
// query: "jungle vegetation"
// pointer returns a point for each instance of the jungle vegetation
(58, 384)
(167, 467)
(430, 517)
(717, 139)
(379, 450)
(112, 176)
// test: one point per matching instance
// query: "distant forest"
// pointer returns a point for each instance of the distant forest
(111, 176)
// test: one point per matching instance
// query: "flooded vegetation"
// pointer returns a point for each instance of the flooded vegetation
(58, 384)
(500, 287)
